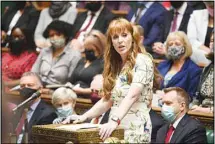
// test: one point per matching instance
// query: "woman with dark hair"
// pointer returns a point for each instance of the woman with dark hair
(21, 57)
(205, 91)
(56, 63)
(58, 10)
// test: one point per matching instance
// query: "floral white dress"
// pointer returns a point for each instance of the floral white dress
(137, 122)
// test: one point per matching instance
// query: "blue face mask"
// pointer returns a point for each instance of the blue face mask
(168, 113)
(64, 111)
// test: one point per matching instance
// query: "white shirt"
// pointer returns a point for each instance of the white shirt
(95, 17)
(175, 124)
(181, 12)
(147, 6)
(14, 21)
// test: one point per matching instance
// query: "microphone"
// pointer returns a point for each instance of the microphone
(34, 96)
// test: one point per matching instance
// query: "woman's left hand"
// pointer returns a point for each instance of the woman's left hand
(77, 89)
(107, 129)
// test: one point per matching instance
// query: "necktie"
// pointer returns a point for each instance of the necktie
(169, 133)
(22, 122)
(84, 29)
(138, 14)
(174, 25)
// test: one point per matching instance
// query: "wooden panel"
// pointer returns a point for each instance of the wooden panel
(118, 13)
(52, 134)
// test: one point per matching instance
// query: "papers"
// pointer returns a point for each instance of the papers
(75, 127)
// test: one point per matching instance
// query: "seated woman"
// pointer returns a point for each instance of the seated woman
(64, 100)
(90, 65)
(21, 57)
(199, 30)
(56, 63)
(179, 70)
(58, 10)
(205, 91)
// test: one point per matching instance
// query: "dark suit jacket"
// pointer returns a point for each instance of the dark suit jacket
(28, 19)
(101, 23)
(187, 78)
(168, 18)
(151, 21)
(157, 123)
(43, 114)
(189, 130)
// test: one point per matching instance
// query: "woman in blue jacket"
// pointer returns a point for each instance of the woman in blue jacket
(179, 70)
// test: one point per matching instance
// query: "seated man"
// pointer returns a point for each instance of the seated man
(149, 16)
(181, 128)
(38, 113)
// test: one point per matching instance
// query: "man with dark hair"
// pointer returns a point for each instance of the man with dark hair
(38, 113)
(181, 128)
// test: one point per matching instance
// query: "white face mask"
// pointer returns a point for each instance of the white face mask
(58, 43)
(168, 113)
(64, 111)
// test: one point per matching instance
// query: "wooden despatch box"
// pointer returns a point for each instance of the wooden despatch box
(52, 134)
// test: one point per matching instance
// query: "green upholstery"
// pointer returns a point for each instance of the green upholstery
(210, 135)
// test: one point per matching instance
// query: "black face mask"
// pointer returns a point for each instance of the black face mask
(90, 55)
(176, 4)
(27, 92)
(16, 46)
(94, 6)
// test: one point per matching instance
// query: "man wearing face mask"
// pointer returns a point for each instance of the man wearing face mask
(96, 17)
(181, 128)
(174, 20)
(39, 113)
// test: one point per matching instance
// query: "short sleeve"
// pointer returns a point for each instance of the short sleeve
(143, 71)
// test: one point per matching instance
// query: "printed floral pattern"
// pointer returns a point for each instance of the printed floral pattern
(137, 122)
(207, 89)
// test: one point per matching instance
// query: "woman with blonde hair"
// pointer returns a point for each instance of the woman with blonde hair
(179, 70)
(127, 88)
(90, 65)
(64, 100)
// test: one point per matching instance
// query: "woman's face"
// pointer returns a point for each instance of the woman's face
(122, 42)
(57, 39)
(175, 48)
(90, 47)
(175, 41)
(64, 103)
(17, 34)
(17, 42)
